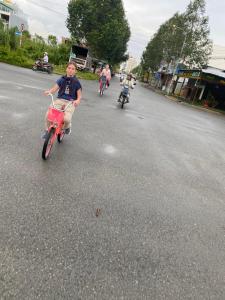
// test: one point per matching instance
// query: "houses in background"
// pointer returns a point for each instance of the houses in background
(205, 86)
(12, 16)
(129, 65)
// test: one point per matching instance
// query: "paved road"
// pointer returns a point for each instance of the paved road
(156, 170)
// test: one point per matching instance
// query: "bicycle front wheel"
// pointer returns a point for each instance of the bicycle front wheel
(49, 141)
(60, 136)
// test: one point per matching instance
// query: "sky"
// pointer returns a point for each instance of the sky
(144, 16)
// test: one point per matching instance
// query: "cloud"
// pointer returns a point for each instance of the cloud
(46, 17)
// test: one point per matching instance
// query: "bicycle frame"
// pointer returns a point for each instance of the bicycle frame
(56, 116)
(102, 84)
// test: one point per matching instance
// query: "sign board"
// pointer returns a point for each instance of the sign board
(18, 33)
(189, 74)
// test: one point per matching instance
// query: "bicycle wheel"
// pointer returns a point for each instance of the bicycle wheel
(60, 136)
(101, 89)
(122, 102)
(49, 141)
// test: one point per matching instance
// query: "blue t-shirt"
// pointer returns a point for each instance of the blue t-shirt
(68, 87)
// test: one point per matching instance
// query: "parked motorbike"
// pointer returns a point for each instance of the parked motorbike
(42, 66)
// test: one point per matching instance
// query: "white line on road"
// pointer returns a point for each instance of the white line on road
(17, 84)
(4, 97)
(19, 87)
(109, 149)
(18, 115)
(128, 110)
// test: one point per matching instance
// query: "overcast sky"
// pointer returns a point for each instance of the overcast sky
(144, 16)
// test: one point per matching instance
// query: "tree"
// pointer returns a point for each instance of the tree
(39, 39)
(199, 46)
(52, 40)
(165, 45)
(184, 37)
(13, 39)
(102, 25)
(4, 39)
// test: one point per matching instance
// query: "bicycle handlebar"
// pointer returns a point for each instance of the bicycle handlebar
(53, 105)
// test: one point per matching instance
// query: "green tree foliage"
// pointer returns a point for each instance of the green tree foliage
(102, 25)
(32, 48)
(52, 40)
(4, 38)
(184, 38)
(13, 39)
(198, 47)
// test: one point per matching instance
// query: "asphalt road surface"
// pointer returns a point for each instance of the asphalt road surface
(155, 174)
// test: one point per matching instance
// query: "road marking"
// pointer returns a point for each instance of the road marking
(18, 115)
(30, 86)
(132, 116)
(20, 85)
(129, 111)
(4, 97)
(109, 149)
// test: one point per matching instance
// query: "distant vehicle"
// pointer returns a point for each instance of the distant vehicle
(80, 55)
(40, 65)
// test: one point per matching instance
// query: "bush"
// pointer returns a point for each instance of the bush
(32, 49)
(15, 57)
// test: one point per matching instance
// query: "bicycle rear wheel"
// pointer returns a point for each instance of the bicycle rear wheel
(49, 141)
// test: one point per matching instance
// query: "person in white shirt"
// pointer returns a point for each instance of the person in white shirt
(127, 82)
(45, 59)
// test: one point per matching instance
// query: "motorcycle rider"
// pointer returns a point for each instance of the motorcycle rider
(45, 58)
(69, 89)
(128, 81)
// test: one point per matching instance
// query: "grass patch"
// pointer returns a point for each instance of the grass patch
(20, 59)
(80, 74)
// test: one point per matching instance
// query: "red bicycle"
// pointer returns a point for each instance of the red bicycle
(102, 85)
(55, 130)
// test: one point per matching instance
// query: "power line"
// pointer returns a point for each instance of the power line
(46, 7)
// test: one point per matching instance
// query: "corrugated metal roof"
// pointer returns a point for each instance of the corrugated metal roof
(214, 71)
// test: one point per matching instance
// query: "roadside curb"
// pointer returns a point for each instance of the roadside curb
(174, 99)
(171, 98)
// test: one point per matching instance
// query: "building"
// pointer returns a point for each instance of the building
(6, 11)
(217, 59)
(206, 86)
(65, 40)
(129, 65)
(12, 15)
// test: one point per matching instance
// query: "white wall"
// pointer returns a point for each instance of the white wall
(218, 57)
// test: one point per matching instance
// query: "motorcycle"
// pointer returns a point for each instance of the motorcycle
(124, 96)
(39, 65)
